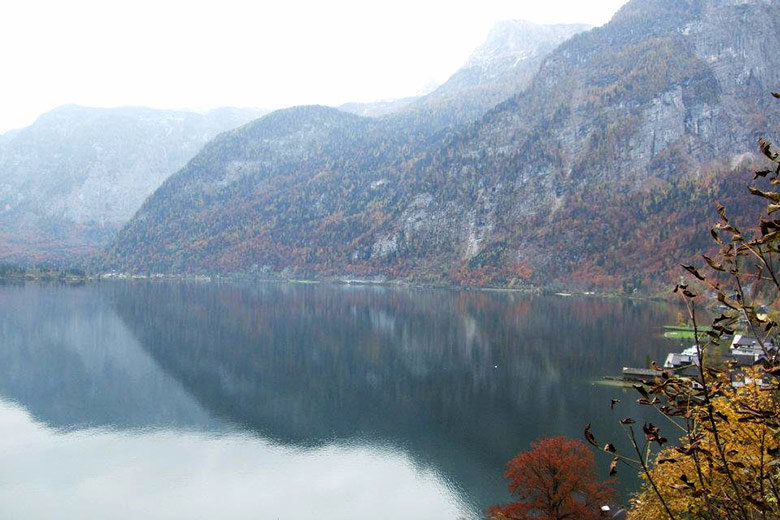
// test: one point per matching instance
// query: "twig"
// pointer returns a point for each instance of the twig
(710, 415)
(647, 472)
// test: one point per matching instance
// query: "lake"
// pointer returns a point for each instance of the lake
(183, 400)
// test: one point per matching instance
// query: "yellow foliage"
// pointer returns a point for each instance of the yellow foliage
(697, 485)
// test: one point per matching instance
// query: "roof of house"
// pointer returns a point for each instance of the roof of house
(748, 356)
(676, 359)
(743, 340)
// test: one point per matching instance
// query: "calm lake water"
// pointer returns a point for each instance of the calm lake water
(186, 401)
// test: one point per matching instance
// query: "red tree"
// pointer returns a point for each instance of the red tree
(554, 481)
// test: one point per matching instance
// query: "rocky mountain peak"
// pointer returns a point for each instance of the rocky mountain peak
(520, 39)
(509, 56)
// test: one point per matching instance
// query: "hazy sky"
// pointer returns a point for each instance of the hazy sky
(200, 54)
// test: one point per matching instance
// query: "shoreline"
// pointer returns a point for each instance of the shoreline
(73, 279)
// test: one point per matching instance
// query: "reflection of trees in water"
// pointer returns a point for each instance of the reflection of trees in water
(460, 380)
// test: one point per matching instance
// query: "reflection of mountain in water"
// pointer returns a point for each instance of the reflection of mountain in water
(71, 362)
(461, 381)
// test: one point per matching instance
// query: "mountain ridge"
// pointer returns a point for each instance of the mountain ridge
(582, 178)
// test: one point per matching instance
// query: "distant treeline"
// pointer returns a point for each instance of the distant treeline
(15, 272)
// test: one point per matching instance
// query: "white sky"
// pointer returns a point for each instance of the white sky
(202, 54)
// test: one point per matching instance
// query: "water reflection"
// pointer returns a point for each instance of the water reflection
(66, 356)
(173, 475)
(454, 382)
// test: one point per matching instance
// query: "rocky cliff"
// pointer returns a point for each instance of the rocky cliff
(605, 168)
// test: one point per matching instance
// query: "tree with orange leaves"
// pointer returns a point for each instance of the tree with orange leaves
(555, 480)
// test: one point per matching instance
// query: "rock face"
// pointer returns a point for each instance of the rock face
(557, 178)
(663, 78)
(69, 181)
(599, 172)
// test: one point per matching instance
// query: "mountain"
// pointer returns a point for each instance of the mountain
(605, 168)
(411, 126)
(292, 184)
(599, 173)
(73, 178)
(503, 65)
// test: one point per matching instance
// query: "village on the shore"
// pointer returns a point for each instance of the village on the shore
(744, 351)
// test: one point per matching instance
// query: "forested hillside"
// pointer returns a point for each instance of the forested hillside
(600, 174)
(287, 190)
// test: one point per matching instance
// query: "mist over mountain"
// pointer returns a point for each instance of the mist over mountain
(503, 65)
(379, 108)
(600, 171)
(75, 176)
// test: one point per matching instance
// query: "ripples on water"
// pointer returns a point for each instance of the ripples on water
(179, 400)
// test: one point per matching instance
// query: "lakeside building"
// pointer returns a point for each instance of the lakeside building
(744, 351)
(687, 358)
(748, 351)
